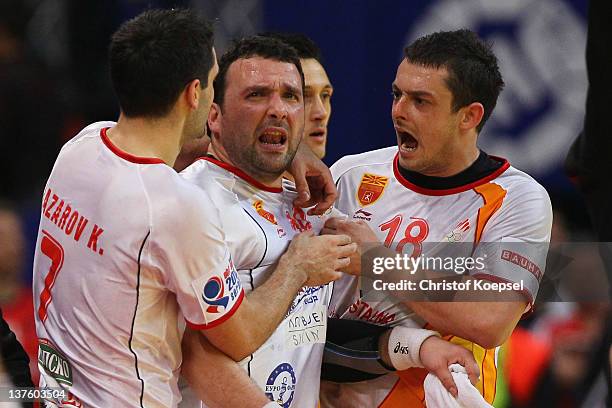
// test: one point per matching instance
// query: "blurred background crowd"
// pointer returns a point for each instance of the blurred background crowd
(54, 81)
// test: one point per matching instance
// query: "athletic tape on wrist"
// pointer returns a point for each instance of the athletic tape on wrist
(405, 344)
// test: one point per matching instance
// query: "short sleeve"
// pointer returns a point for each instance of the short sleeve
(515, 241)
(189, 244)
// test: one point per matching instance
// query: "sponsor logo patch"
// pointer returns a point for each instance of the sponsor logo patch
(361, 310)
(281, 385)
(523, 262)
(399, 349)
(456, 235)
(267, 215)
(306, 296)
(362, 215)
(371, 188)
(219, 291)
(55, 364)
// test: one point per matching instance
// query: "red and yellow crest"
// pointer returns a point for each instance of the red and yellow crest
(258, 205)
(371, 188)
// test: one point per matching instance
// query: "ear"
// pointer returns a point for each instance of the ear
(471, 116)
(193, 94)
(214, 120)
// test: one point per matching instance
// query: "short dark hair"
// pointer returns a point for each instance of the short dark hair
(153, 56)
(305, 47)
(254, 46)
(473, 71)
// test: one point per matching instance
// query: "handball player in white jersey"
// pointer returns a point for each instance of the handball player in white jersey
(435, 187)
(256, 124)
(128, 253)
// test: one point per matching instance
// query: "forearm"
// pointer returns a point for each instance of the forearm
(259, 315)
(215, 378)
(268, 303)
(358, 351)
(486, 317)
(309, 261)
(488, 324)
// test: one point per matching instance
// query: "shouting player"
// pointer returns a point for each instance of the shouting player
(437, 186)
(318, 90)
(256, 123)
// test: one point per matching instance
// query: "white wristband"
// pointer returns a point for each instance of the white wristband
(271, 404)
(405, 344)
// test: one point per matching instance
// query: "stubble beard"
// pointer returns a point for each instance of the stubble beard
(267, 166)
(263, 167)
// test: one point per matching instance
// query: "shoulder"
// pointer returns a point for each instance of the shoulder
(526, 207)
(195, 171)
(373, 158)
(522, 188)
(90, 132)
(179, 204)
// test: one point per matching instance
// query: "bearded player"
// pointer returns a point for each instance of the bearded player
(256, 123)
(318, 90)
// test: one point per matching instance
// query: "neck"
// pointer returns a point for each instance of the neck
(461, 161)
(160, 138)
(219, 153)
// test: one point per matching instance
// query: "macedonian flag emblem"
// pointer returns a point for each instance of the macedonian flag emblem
(258, 205)
(371, 188)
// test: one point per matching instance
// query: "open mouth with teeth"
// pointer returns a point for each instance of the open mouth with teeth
(407, 142)
(273, 137)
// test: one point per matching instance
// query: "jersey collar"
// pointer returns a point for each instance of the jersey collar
(241, 174)
(459, 189)
(125, 155)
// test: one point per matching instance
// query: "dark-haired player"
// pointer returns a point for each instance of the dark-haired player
(256, 122)
(127, 251)
(436, 186)
(318, 90)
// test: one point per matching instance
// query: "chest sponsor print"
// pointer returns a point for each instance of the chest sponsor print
(280, 385)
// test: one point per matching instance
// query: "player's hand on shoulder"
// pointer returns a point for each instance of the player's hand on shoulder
(437, 354)
(313, 181)
(319, 258)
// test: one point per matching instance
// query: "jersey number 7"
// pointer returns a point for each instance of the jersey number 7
(52, 249)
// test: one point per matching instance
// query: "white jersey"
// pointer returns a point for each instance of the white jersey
(503, 219)
(126, 252)
(259, 222)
